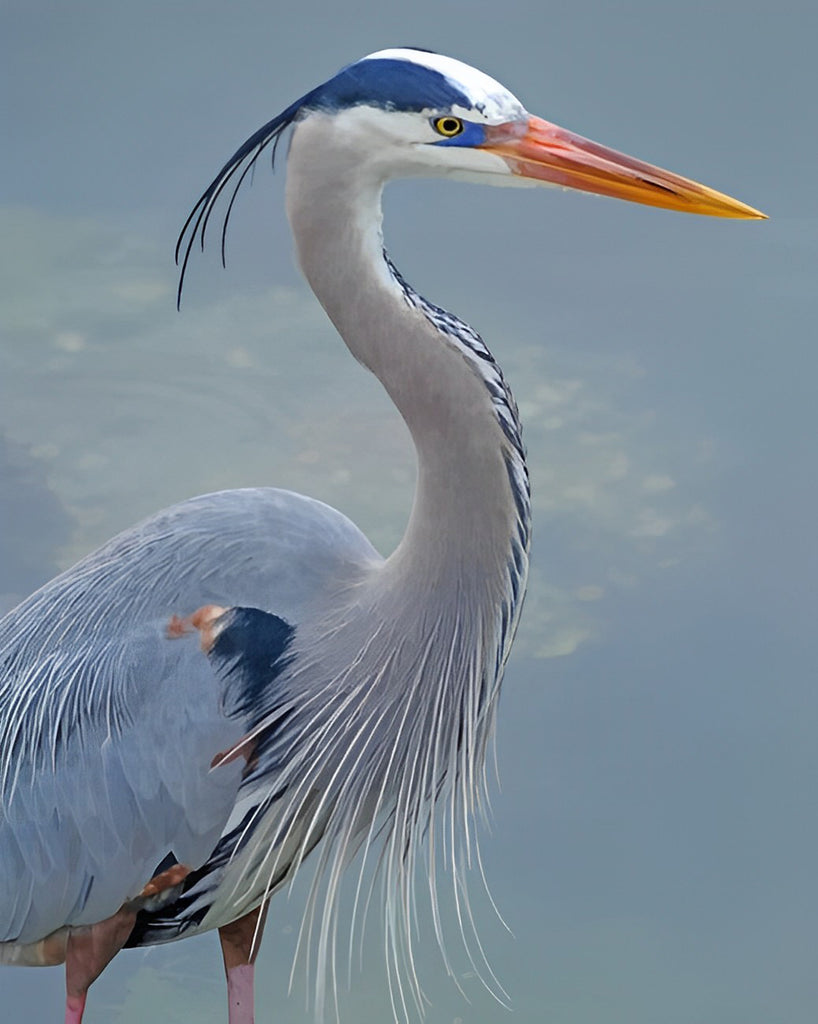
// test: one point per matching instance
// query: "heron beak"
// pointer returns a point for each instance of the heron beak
(546, 152)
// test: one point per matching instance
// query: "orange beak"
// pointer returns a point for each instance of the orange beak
(546, 152)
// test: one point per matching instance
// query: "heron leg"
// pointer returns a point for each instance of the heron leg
(74, 1008)
(88, 952)
(240, 942)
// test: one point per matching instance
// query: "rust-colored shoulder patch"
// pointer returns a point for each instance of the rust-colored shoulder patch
(204, 619)
(244, 749)
(166, 880)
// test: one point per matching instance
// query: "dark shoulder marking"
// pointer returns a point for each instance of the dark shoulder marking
(249, 652)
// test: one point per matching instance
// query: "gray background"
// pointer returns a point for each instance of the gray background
(653, 848)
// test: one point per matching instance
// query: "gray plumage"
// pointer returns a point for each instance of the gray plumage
(103, 694)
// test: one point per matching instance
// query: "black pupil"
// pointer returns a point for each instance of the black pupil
(450, 125)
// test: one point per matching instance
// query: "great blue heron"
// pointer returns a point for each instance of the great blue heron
(188, 711)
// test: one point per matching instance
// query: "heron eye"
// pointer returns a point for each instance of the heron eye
(448, 126)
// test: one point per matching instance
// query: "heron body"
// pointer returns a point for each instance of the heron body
(187, 713)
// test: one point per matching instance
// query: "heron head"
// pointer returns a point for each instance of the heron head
(410, 112)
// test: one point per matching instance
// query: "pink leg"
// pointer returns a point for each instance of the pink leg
(88, 952)
(240, 1001)
(74, 1007)
(239, 953)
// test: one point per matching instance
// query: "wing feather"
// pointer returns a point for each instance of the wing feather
(109, 725)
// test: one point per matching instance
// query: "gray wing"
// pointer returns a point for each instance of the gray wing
(109, 723)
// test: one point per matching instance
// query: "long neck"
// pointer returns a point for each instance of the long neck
(471, 504)
(426, 633)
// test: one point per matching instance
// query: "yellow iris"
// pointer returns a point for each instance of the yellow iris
(448, 126)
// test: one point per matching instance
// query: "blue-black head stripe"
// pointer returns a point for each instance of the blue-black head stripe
(388, 83)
